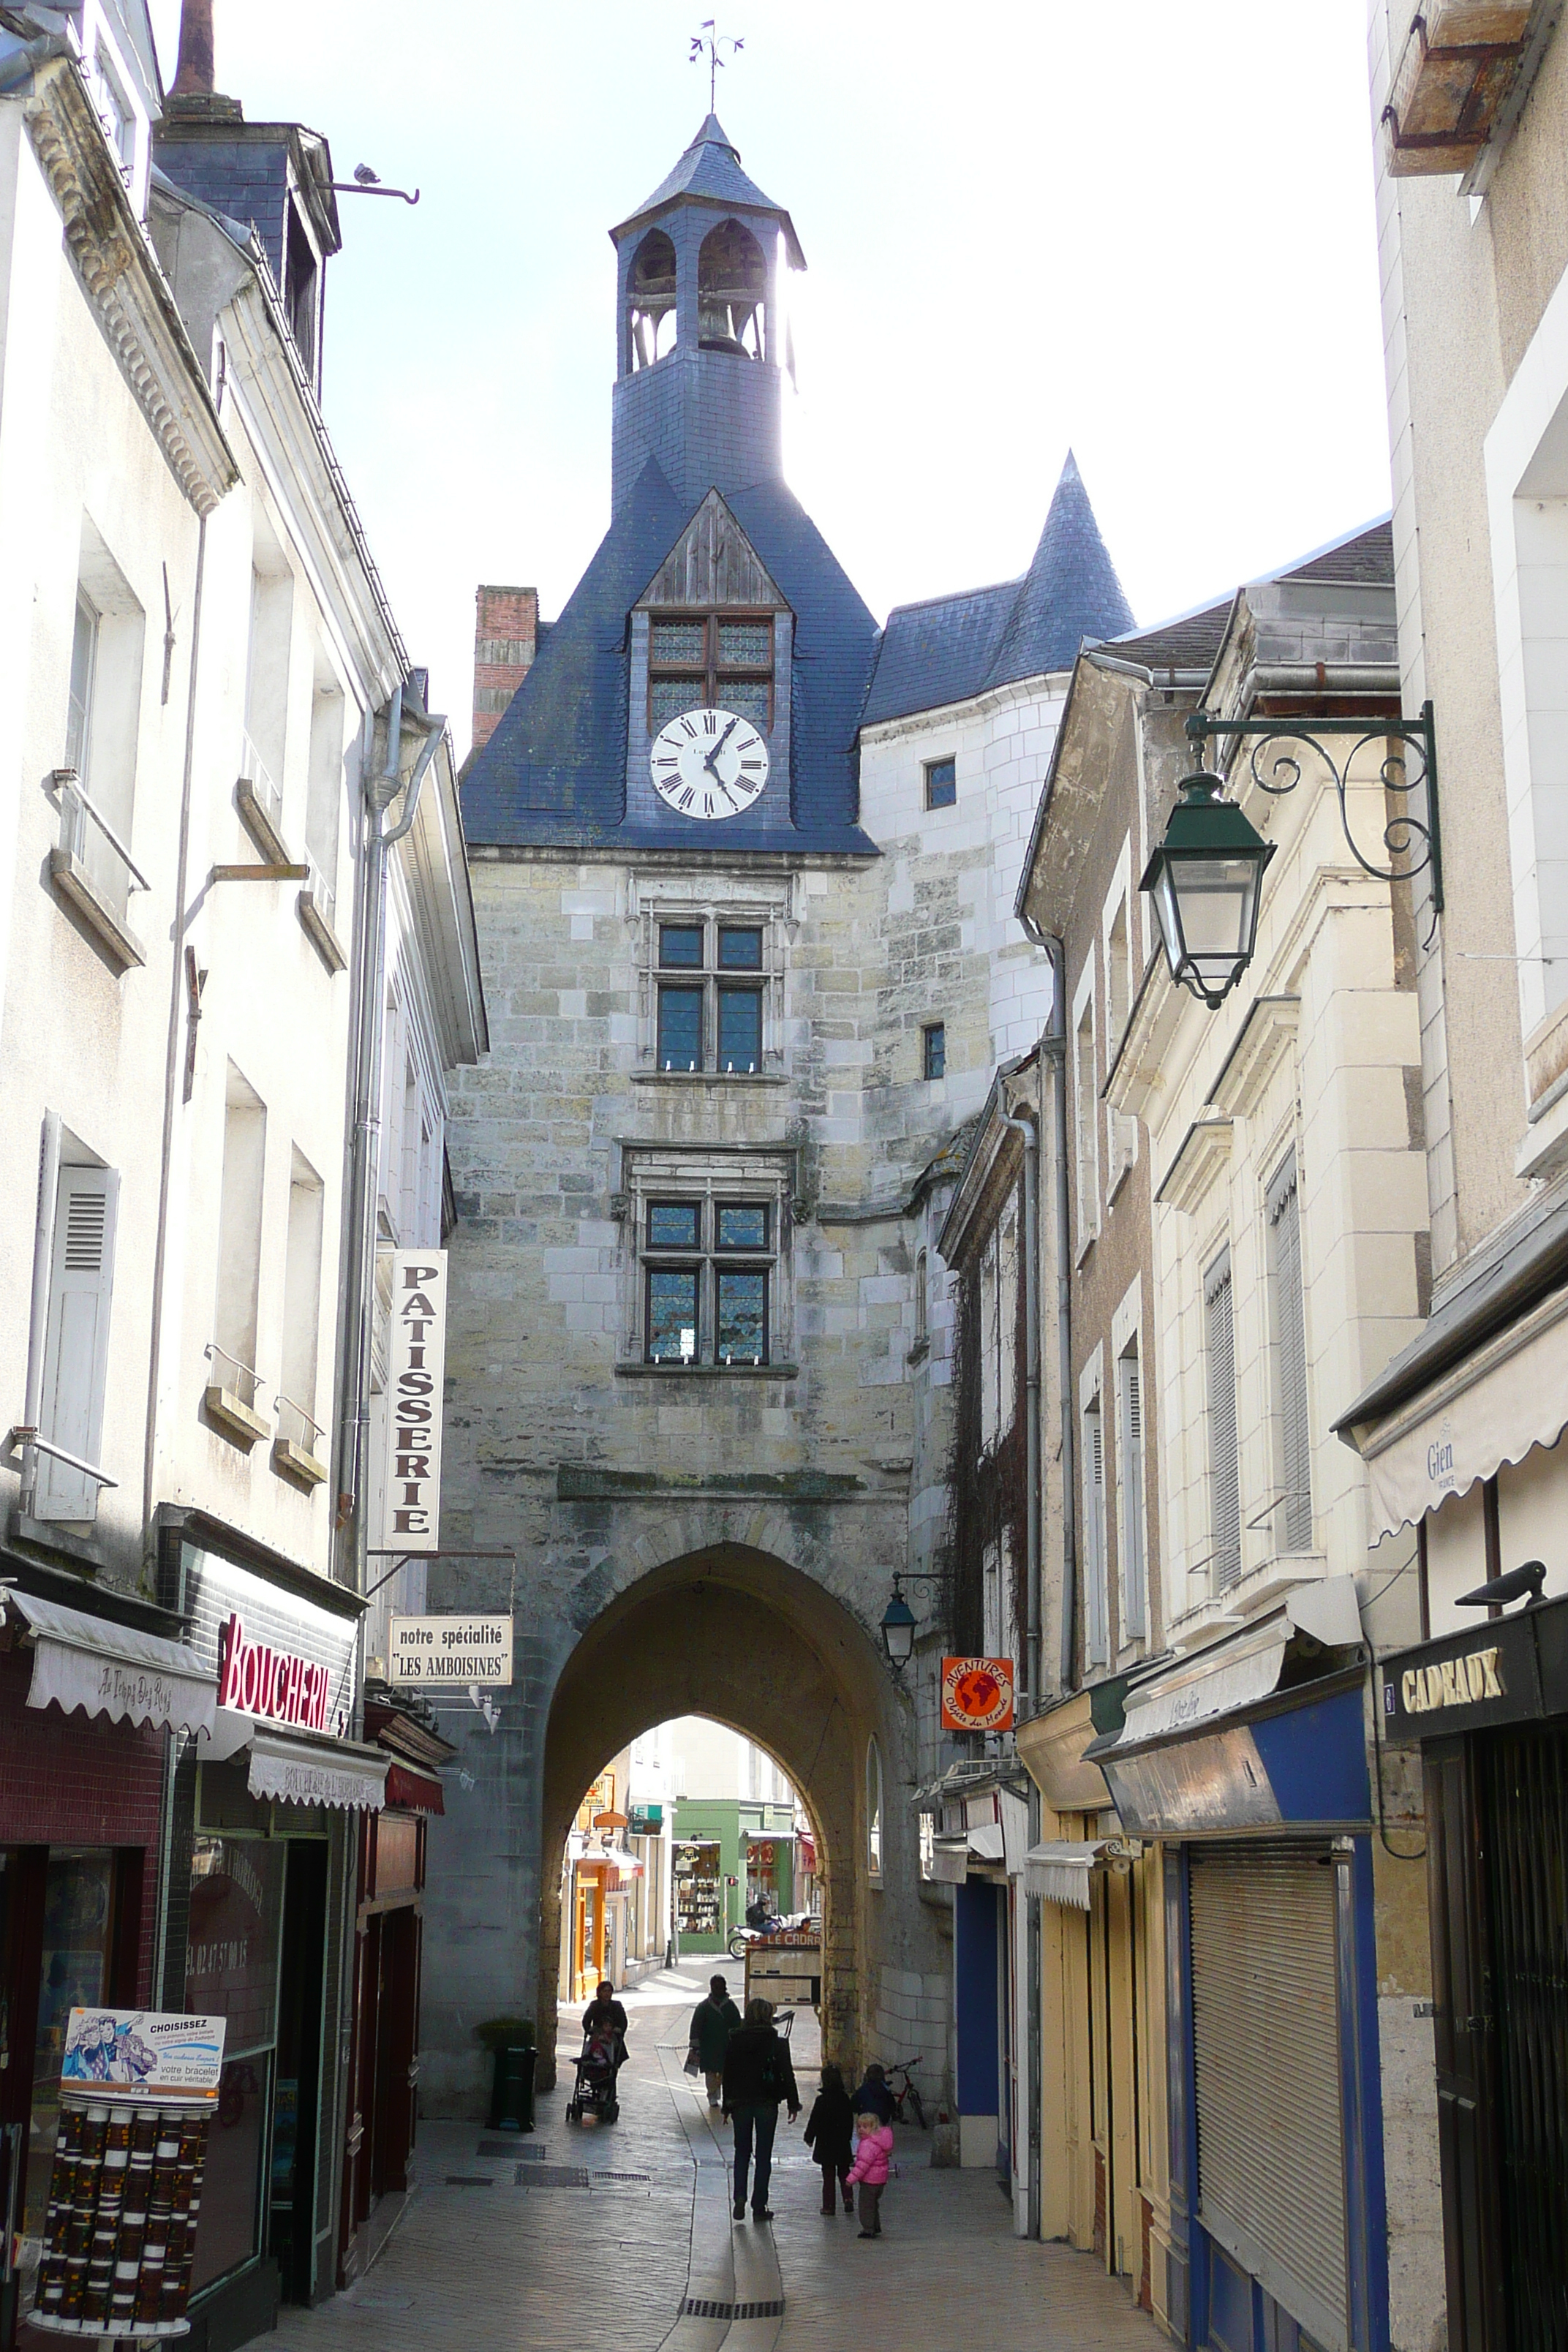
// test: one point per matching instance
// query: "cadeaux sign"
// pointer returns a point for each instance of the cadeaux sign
(416, 1355)
(977, 1694)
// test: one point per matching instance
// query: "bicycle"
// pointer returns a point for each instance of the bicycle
(904, 2094)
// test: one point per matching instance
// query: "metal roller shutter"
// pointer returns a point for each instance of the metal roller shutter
(1271, 2185)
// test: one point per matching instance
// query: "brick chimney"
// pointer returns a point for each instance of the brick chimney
(506, 638)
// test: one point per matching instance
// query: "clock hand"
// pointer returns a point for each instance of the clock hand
(718, 747)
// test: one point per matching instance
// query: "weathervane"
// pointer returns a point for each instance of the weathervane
(710, 41)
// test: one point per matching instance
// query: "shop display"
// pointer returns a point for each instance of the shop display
(697, 1889)
(120, 2231)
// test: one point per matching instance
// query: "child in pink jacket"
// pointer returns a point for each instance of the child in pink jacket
(873, 2156)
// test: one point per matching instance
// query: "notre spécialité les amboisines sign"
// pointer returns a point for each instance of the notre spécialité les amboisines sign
(474, 1652)
(415, 1372)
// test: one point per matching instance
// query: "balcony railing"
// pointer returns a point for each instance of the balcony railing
(320, 888)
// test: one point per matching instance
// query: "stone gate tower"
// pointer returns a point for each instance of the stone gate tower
(744, 867)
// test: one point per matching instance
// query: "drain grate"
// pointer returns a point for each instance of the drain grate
(698, 2306)
(552, 2175)
(645, 2176)
(509, 2148)
(470, 2181)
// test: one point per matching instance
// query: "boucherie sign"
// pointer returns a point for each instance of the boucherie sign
(416, 1352)
(255, 1679)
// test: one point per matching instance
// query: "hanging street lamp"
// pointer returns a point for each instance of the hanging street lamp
(1205, 880)
(899, 1627)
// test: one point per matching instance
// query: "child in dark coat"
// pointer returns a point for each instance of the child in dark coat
(830, 2135)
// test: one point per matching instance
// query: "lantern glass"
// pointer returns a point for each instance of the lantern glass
(898, 1629)
(1204, 882)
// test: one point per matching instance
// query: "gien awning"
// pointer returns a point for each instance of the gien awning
(1058, 1872)
(294, 1773)
(112, 1670)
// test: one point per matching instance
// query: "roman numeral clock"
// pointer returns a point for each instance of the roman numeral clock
(709, 763)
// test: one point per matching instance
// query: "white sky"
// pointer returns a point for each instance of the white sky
(1144, 230)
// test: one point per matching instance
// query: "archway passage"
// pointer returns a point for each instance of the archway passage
(740, 1637)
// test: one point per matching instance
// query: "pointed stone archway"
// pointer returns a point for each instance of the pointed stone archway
(740, 1636)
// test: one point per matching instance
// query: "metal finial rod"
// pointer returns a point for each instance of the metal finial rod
(709, 42)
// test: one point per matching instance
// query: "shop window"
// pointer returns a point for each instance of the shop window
(1225, 1467)
(707, 1300)
(933, 1050)
(78, 1890)
(717, 660)
(239, 1238)
(873, 1810)
(232, 1958)
(302, 1307)
(76, 1341)
(1287, 1306)
(941, 784)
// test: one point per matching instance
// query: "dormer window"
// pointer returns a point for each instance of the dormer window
(720, 660)
(115, 112)
(302, 282)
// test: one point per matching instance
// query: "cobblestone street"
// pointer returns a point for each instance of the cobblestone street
(622, 2237)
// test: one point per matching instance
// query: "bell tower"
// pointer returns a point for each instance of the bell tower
(698, 358)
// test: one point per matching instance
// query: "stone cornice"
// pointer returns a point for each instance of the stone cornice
(125, 286)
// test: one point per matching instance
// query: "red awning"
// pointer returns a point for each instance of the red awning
(805, 1851)
(413, 1791)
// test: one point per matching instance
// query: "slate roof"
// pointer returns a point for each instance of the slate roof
(555, 770)
(1187, 644)
(710, 171)
(953, 648)
(1365, 560)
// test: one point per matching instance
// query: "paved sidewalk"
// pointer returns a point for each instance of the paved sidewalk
(621, 2237)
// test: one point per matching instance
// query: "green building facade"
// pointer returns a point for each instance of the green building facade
(728, 1852)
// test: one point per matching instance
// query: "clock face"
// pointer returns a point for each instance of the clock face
(708, 764)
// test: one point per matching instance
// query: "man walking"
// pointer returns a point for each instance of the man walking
(712, 2022)
(757, 2075)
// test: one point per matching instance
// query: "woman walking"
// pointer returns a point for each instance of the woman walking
(712, 2022)
(757, 2075)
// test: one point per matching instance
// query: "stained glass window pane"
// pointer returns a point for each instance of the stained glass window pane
(679, 641)
(680, 1028)
(680, 944)
(742, 1327)
(941, 784)
(739, 950)
(745, 645)
(935, 1037)
(740, 1028)
(672, 1225)
(742, 1225)
(672, 1314)
(669, 697)
(747, 700)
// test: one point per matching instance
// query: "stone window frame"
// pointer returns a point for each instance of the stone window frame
(738, 902)
(707, 1176)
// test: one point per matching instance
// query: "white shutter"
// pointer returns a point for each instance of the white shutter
(1225, 1471)
(76, 1353)
(1295, 1465)
(1098, 1610)
(1272, 2181)
(1134, 1558)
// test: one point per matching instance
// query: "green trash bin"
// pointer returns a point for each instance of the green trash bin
(512, 2095)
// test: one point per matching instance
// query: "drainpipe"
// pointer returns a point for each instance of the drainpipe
(1034, 1970)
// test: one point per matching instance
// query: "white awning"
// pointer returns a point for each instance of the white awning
(111, 1670)
(1059, 1872)
(1498, 1405)
(950, 1856)
(1240, 1671)
(294, 1773)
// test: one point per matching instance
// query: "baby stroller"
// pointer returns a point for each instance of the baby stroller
(594, 2091)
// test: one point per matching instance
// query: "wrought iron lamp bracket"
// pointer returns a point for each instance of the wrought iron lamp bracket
(1413, 846)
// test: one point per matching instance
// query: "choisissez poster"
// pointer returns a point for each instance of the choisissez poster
(151, 2051)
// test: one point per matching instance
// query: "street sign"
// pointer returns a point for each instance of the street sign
(422, 1651)
(977, 1694)
(416, 1353)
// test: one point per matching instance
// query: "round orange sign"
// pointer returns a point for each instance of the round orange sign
(976, 1693)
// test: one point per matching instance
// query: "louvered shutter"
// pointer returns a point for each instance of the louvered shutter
(1284, 1210)
(1134, 1560)
(1271, 2179)
(1224, 1477)
(1094, 1470)
(76, 1352)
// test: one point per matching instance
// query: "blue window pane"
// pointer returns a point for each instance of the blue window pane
(739, 950)
(935, 1037)
(742, 1225)
(742, 1327)
(680, 944)
(672, 1225)
(685, 642)
(680, 1028)
(740, 1028)
(672, 1314)
(941, 784)
(745, 645)
(669, 697)
(747, 698)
